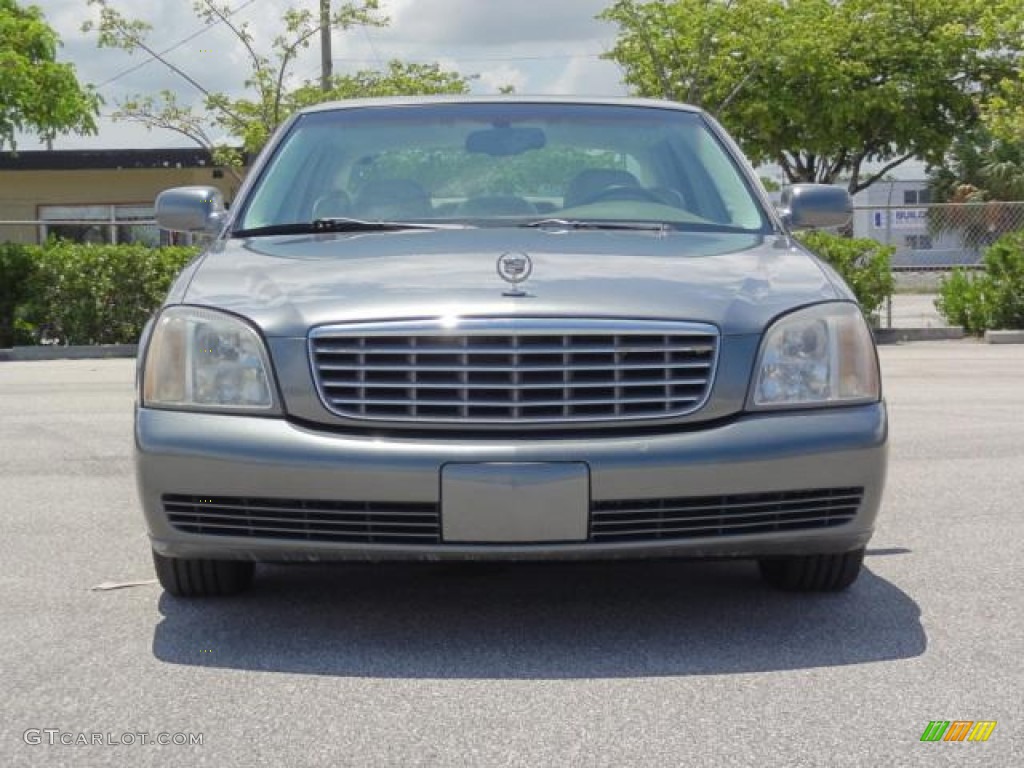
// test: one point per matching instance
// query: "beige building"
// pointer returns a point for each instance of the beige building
(97, 195)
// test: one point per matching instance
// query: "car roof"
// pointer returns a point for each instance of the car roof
(401, 101)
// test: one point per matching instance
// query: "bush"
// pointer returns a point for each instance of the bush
(99, 294)
(992, 300)
(863, 264)
(16, 267)
(964, 301)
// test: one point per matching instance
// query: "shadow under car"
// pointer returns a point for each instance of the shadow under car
(536, 621)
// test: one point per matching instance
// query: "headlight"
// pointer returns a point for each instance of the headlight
(204, 359)
(820, 356)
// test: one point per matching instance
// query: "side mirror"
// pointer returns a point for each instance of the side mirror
(190, 209)
(810, 206)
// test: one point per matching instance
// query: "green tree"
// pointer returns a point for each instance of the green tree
(826, 88)
(980, 166)
(399, 79)
(251, 120)
(38, 93)
(1004, 105)
(270, 99)
(984, 174)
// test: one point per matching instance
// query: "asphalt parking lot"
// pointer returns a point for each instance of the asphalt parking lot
(664, 664)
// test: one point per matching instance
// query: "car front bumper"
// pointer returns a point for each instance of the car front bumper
(211, 456)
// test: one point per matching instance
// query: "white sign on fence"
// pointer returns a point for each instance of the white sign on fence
(900, 218)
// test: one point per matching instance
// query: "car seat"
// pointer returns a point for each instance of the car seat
(392, 198)
(592, 181)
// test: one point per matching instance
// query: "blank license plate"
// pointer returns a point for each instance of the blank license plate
(515, 503)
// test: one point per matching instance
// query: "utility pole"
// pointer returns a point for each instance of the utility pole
(325, 45)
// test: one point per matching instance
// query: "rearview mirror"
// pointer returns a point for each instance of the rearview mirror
(190, 209)
(814, 206)
(502, 141)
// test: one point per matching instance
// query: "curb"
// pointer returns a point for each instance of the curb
(1004, 337)
(899, 335)
(57, 352)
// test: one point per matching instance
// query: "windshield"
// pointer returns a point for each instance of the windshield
(502, 164)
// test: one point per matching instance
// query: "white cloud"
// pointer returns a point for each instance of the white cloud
(496, 22)
(589, 77)
(491, 80)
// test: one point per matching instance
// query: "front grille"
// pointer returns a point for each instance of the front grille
(504, 371)
(365, 522)
(711, 516)
(637, 520)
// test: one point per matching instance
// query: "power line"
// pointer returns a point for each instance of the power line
(459, 59)
(177, 45)
(373, 48)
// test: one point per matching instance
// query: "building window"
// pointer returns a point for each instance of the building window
(132, 226)
(917, 196)
(101, 224)
(919, 242)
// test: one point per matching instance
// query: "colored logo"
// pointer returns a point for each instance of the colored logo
(958, 730)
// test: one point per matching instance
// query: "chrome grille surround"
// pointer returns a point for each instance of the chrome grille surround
(514, 370)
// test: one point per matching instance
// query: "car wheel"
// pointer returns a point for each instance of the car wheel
(813, 573)
(188, 577)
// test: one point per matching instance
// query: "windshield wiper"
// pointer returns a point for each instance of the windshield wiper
(340, 224)
(644, 226)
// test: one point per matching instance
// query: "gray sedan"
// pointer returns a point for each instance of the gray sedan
(506, 328)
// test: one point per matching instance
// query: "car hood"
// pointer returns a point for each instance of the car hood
(288, 284)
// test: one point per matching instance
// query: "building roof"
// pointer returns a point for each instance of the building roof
(105, 159)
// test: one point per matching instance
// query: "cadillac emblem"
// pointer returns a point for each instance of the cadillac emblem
(514, 268)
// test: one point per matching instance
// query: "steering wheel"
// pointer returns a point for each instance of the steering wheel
(622, 192)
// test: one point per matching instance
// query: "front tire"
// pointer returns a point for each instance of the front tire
(812, 573)
(190, 577)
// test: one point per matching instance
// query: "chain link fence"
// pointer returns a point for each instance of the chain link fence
(937, 237)
(141, 231)
(930, 240)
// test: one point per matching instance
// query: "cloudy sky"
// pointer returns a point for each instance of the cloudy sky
(539, 46)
